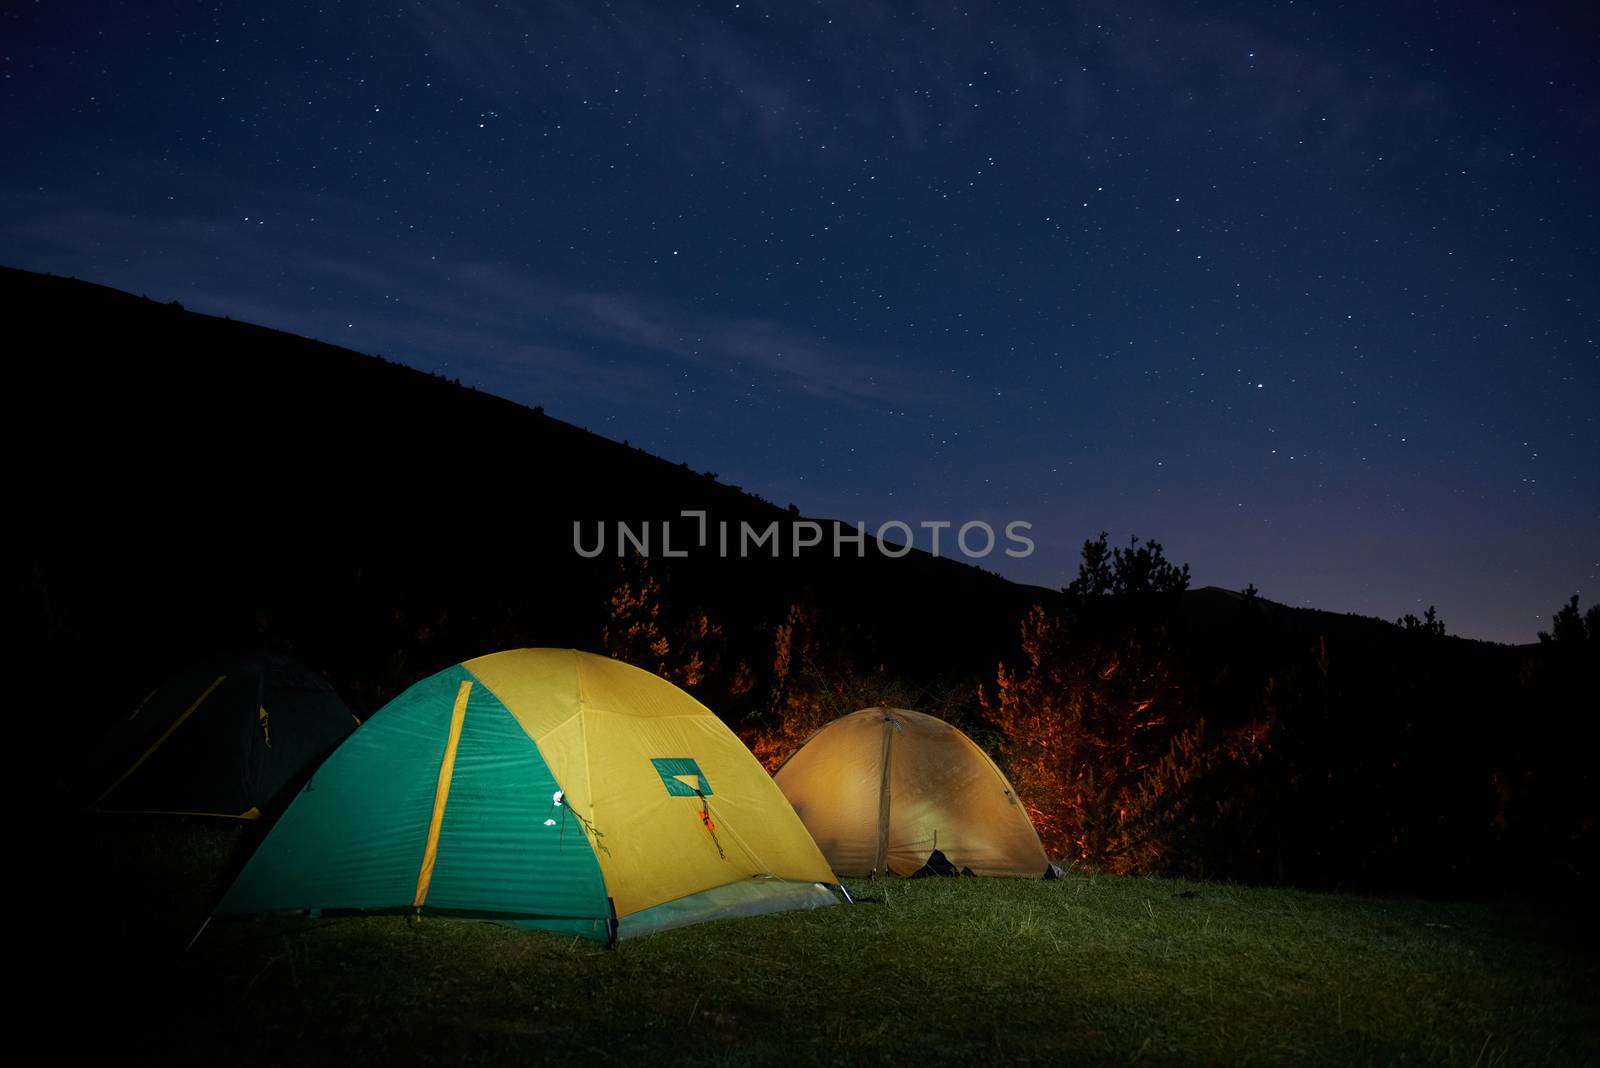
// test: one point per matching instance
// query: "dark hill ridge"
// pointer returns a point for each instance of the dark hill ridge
(1210, 604)
(182, 483)
(194, 481)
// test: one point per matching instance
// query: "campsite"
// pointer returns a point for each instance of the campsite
(1458, 948)
(840, 533)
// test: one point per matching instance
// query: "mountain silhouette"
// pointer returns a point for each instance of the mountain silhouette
(194, 482)
(183, 485)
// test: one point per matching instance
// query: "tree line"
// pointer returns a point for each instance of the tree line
(1238, 742)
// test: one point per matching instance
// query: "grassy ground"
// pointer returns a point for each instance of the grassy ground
(1102, 970)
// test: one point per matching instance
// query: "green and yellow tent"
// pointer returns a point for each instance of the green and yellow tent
(230, 736)
(546, 787)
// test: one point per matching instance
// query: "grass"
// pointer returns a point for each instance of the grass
(1092, 970)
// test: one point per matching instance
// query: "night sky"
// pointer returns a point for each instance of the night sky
(1307, 292)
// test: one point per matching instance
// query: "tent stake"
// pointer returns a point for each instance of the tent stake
(203, 925)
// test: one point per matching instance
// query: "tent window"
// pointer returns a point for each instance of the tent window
(682, 776)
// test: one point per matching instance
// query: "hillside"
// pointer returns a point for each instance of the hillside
(185, 483)
(195, 482)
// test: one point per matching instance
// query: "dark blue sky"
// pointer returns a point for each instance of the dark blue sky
(1307, 292)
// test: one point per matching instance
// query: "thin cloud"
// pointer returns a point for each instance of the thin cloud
(517, 332)
(785, 357)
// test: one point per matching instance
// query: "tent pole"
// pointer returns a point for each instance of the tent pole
(880, 859)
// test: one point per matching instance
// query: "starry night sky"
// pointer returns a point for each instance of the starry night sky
(1307, 292)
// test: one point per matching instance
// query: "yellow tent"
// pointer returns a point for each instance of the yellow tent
(547, 787)
(882, 789)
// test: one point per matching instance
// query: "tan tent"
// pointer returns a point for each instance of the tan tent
(882, 789)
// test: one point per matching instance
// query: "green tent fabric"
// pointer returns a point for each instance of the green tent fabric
(361, 815)
(549, 788)
(231, 736)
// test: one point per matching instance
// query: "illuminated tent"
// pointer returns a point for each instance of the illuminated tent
(881, 789)
(226, 737)
(546, 787)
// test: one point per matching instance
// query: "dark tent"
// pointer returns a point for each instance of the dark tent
(226, 737)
